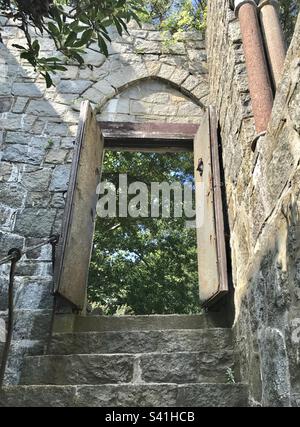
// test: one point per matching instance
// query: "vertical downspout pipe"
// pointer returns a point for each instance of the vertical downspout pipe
(273, 36)
(258, 73)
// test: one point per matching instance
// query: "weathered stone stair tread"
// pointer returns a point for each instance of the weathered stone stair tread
(179, 367)
(172, 360)
(155, 395)
(71, 323)
(142, 341)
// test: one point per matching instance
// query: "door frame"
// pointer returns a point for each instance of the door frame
(172, 138)
(167, 138)
(148, 137)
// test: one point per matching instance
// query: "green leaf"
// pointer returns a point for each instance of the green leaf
(136, 18)
(123, 23)
(36, 47)
(57, 13)
(29, 56)
(53, 29)
(75, 26)
(86, 36)
(106, 36)
(18, 46)
(71, 39)
(50, 59)
(60, 67)
(48, 79)
(78, 57)
(84, 18)
(102, 45)
(118, 25)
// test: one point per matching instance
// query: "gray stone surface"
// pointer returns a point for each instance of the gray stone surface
(74, 86)
(47, 396)
(31, 295)
(20, 104)
(35, 222)
(11, 194)
(31, 324)
(8, 241)
(41, 108)
(5, 104)
(37, 200)
(152, 395)
(191, 367)
(275, 369)
(142, 341)
(28, 293)
(18, 351)
(78, 369)
(263, 194)
(60, 178)
(37, 180)
(37, 269)
(22, 154)
(131, 323)
(26, 89)
(179, 367)
(14, 137)
(211, 395)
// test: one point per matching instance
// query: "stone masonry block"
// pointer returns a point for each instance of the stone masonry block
(35, 222)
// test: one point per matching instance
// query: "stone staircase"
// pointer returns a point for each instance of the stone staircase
(132, 361)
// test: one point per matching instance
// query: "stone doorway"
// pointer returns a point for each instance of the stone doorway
(77, 237)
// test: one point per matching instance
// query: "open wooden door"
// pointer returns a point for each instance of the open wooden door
(75, 246)
(212, 263)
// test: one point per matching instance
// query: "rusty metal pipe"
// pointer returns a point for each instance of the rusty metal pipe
(258, 74)
(273, 36)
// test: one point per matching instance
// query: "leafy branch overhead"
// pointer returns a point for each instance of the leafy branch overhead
(72, 25)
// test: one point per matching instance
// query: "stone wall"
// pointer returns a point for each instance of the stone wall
(143, 79)
(151, 101)
(262, 191)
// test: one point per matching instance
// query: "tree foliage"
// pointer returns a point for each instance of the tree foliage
(148, 265)
(177, 15)
(72, 25)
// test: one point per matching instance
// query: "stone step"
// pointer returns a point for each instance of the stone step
(126, 395)
(73, 323)
(209, 340)
(180, 367)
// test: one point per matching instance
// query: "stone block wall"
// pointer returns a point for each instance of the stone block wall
(151, 101)
(262, 192)
(143, 79)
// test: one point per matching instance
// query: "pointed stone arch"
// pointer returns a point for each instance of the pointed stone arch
(194, 87)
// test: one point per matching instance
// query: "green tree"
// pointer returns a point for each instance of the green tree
(73, 25)
(177, 16)
(148, 265)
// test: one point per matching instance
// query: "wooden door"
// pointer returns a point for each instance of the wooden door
(212, 264)
(74, 251)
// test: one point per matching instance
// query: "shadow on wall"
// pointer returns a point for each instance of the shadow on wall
(270, 340)
(36, 151)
